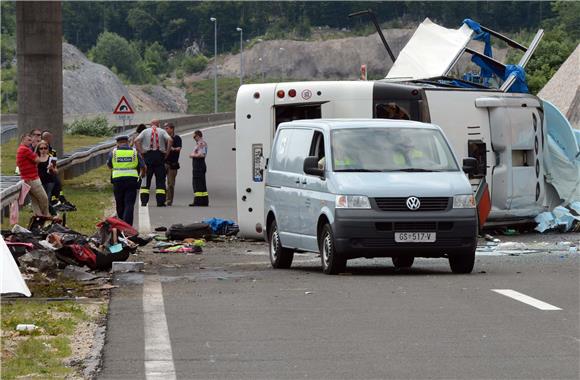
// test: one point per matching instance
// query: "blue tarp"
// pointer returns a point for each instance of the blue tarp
(218, 225)
(485, 37)
(519, 86)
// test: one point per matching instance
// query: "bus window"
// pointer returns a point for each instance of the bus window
(297, 112)
(391, 110)
(477, 150)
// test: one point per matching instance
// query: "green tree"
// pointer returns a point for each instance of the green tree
(155, 57)
(113, 50)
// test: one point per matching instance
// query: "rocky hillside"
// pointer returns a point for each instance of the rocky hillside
(92, 88)
(330, 59)
(158, 98)
(88, 87)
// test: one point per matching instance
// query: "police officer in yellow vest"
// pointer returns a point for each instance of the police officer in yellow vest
(126, 164)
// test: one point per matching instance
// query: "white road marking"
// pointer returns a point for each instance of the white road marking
(158, 353)
(207, 129)
(144, 221)
(526, 299)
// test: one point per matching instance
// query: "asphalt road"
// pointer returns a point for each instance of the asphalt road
(220, 178)
(227, 314)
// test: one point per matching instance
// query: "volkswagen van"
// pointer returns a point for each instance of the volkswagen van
(348, 188)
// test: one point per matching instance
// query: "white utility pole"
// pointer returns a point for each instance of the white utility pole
(283, 64)
(241, 55)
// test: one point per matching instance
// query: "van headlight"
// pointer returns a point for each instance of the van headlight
(352, 201)
(464, 201)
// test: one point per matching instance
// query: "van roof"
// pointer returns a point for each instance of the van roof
(357, 123)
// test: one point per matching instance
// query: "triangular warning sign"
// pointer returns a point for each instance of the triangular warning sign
(123, 107)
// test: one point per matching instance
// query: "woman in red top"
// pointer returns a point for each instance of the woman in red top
(27, 162)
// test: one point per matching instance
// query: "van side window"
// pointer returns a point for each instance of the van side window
(317, 148)
(279, 150)
(297, 150)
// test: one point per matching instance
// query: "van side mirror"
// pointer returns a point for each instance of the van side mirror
(311, 166)
(469, 165)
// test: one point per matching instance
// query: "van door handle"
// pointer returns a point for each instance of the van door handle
(304, 182)
(297, 180)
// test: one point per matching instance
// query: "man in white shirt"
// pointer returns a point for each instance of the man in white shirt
(154, 144)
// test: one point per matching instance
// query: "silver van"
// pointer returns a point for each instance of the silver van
(368, 188)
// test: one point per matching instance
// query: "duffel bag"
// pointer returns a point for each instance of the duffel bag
(193, 230)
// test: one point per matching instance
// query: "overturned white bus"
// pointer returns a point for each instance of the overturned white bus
(505, 131)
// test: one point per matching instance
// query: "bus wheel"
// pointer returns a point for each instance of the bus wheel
(280, 257)
(332, 261)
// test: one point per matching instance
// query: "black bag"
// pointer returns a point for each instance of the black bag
(194, 230)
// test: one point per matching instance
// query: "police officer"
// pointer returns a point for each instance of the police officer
(201, 197)
(126, 164)
(154, 144)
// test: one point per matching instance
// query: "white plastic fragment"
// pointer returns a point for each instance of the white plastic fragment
(546, 221)
(511, 246)
(25, 327)
(127, 266)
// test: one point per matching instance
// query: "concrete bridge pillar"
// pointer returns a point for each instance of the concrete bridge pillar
(39, 56)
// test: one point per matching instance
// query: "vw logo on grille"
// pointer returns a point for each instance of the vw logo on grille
(413, 203)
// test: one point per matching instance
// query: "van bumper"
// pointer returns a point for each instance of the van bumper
(371, 233)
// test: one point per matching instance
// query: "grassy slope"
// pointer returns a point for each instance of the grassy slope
(200, 96)
(8, 150)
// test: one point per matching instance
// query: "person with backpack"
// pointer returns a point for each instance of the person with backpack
(127, 165)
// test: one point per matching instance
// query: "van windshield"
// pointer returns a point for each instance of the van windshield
(391, 150)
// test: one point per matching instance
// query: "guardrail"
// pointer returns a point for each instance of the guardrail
(85, 159)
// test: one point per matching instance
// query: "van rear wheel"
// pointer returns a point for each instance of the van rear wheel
(280, 257)
(403, 261)
(332, 261)
(463, 261)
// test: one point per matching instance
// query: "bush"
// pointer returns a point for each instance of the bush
(98, 126)
(194, 64)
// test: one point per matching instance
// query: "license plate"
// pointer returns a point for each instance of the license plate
(415, 237)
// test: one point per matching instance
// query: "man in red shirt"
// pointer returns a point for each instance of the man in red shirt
(27, 162)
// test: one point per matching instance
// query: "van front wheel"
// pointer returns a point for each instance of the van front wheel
(280, 257)
(401, 262)
(332, 261)
(462, 262)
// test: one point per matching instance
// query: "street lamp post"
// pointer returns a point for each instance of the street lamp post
(283, 64)
(241, 55)
(215, 101)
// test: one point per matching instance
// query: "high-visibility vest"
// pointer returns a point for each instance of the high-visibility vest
(125, 163)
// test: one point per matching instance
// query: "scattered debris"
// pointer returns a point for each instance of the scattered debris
(561, 219)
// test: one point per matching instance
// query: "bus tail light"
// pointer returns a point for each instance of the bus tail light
(292, 93)
(280, 94)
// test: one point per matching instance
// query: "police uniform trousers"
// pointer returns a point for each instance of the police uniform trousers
(125, 191)
(155, 161)
(200, 194)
